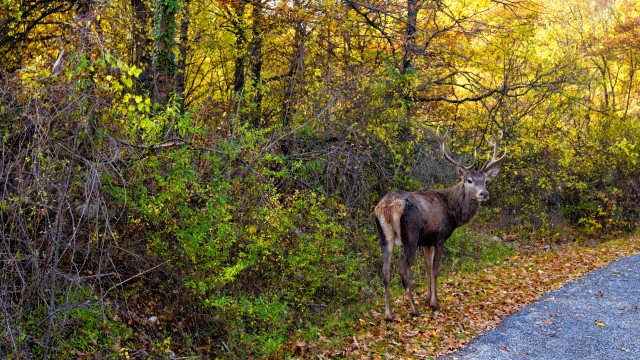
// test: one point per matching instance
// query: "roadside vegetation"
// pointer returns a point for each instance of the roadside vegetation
(196, 178)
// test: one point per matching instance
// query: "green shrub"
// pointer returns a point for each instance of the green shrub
(267, 263)
(467, 251)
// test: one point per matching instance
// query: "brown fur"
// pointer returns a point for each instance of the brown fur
(387, 207)
(426, 218)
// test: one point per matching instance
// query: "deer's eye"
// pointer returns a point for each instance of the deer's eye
(469, 181)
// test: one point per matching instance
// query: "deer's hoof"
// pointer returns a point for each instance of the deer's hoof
(387, 315)
(434, 307)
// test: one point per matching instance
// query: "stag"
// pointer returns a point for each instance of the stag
(427, 218)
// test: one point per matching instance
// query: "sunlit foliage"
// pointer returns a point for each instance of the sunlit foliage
(197, 176)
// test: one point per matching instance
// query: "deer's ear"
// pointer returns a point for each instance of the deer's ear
(461, 171)
(492, 173)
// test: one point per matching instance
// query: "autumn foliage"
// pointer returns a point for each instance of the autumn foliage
(193, 178)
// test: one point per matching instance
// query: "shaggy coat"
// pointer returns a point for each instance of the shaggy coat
(426, 219)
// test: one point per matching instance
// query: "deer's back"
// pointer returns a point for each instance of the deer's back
(427, 207)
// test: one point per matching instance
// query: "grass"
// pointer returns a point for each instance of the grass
(467, 251)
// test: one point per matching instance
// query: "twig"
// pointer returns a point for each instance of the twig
(171, 143)
(131, 278)
(227, 348)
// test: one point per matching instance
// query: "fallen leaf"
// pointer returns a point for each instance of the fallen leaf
(412, 333)
(472, 305)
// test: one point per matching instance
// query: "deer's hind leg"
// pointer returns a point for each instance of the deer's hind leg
(409, 255)
(387, 251)
(387, 238)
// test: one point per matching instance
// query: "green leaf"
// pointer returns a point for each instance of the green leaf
(134, 71)
(127, 81)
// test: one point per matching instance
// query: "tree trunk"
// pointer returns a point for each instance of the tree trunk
(410, 39)
(255, 53)
(141, 55)
(238, 74)
(295, 69)
(164, 60)
(183, 48)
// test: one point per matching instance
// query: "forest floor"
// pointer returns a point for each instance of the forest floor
(470, 303)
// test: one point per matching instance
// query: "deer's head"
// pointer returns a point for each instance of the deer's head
(474, 181)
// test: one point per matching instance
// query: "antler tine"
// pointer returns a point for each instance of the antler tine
(444, 137)
(496, 148)
(475, 158)
(443, 140)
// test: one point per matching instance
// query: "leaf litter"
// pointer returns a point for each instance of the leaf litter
(472, 302)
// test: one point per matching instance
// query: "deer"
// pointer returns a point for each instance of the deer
(427, 218)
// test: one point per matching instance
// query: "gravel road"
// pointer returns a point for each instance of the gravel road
(595, 317)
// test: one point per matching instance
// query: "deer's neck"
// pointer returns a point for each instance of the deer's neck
(462, 208)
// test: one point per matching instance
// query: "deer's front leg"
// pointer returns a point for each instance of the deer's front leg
(436, 253)
(428, 252)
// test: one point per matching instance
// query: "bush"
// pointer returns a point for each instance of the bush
(580, 179)
(263, 261)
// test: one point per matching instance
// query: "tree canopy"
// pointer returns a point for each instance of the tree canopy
(197, 176)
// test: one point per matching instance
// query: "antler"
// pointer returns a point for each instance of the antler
(443, 140)
(496, 144)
